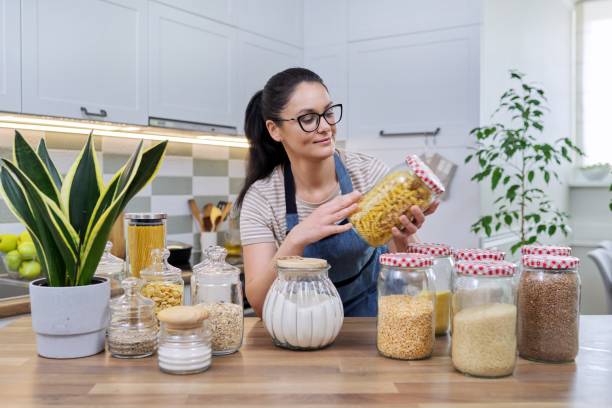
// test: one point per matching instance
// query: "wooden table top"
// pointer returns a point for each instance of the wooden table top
(349, 373)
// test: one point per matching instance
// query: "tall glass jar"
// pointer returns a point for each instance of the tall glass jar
(303, 310)
(113, 268)
(132, 332)
(410, 183)
(144, 232)
(406, 306)
(442, 272)
(184, 340)
(163, 283)
(549, 308)
(219, 292)
(484, 319)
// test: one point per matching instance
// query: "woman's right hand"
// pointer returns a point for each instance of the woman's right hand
(323, 221)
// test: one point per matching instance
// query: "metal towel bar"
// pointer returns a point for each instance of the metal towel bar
(432, 133)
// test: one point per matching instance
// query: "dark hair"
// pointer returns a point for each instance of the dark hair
(266, 153)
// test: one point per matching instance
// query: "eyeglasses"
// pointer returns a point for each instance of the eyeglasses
(309, 122)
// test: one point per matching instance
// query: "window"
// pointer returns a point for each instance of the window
(594, 79)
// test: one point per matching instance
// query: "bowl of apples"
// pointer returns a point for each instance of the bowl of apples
(19, 257)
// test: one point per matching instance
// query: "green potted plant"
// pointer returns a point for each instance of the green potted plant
(69, 220)
(513, 157)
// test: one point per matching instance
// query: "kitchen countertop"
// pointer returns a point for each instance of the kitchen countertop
(349, 373)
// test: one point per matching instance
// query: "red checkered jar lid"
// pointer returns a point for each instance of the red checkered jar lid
(406, 260)
(477, 254)
(432, 249)
(546, 250)
(550, 262)
(486, 268)
(425, 174)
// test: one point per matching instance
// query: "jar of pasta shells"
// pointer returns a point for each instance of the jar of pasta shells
(411, 183)
(163, 283)
(406, 306)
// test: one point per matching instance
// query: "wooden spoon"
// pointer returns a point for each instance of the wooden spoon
(206, 217)
(226, 211)
(215, 217)
(195, 211)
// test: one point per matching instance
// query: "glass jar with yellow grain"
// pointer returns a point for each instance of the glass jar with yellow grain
(442, 271)
(163, 283)
(411, 183)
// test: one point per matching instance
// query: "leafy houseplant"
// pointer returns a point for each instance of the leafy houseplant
(69, 220)
(511, 156)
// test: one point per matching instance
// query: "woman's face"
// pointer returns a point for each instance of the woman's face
(308, 97)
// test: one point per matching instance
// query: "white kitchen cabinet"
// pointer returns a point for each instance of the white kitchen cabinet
(369, 19)
(219, 10)
(414, 83)
(330, 63)
(191, 63)
(258, 59)
(281, 20)
(85, 59)
(10, 56)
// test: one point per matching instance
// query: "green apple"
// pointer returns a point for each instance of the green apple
(29, 270)
(27, 250)
(13, 260)
(25, 237)
(8, 242)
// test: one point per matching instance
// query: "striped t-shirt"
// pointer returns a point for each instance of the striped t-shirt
(262, 216)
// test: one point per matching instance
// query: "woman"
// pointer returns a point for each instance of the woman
(299, 191)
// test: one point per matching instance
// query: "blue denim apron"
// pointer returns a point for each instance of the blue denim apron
(353, 263)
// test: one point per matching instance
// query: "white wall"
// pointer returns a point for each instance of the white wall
(534, 37)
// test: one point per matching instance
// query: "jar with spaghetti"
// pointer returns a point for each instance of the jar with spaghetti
(411, 183)
(163, 282)
(484, 320)
(144, 232)
(442, 270)
(549, 308)
(406, 306)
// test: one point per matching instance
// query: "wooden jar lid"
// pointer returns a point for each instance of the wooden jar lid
(183, 317)
(298, 262)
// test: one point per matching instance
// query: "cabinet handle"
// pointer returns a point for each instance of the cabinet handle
(102, 113)
(431, 133)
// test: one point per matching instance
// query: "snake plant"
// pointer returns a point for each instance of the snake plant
(70, 218)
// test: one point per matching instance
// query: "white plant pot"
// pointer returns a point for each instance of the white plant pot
(71, 321)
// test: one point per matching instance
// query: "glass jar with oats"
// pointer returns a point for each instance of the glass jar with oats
(163, 283)
(406, 306)
(411, 183)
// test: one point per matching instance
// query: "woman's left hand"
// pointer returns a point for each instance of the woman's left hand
(401, 238)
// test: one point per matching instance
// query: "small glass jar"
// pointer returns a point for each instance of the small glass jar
(132, 332)
(113, 268)
(144, 232)
(303, 310)
(163, 283)
(549, 308)
(484, 319)
(406, 306)
(442, 272)
(184, 340)
(219, 292)
(410, 183)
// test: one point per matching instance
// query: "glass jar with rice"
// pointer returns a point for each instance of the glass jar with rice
(406, 306)
(411, 183)
(484, 319)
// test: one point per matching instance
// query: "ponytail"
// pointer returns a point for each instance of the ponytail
(266, 153)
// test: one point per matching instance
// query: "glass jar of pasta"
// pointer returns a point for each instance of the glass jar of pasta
(406, 306)
(442, 272)
(484, 319)
(144, 232)
(411, 183)
(549, 308)
(163, 283)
